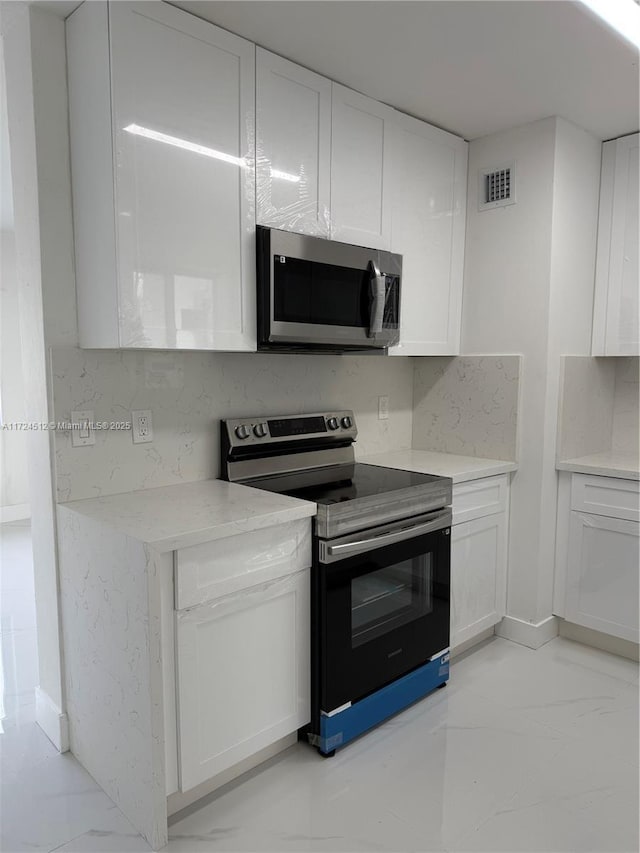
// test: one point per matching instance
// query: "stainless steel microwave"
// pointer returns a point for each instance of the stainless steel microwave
(316, 294)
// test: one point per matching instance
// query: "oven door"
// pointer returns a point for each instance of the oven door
(382, 606)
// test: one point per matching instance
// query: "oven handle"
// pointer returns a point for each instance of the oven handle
(441, 519)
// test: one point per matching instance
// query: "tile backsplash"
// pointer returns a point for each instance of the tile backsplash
(189, 392)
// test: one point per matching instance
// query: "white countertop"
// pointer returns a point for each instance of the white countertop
(187, 514)
(459, 468)
(607, 464)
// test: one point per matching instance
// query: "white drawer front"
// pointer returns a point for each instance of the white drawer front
(208, 571)
(478, 498)
(606, 496)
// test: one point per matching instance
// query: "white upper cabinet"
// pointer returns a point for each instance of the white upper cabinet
(162, 109)
(428, 212)
(616, 329)
(293, 144)
(360, 164)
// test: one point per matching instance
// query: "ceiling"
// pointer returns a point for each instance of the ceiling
(474, 67)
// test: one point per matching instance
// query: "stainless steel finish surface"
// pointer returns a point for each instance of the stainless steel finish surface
(244, 470)
(350, 516)
(378, 292)
(316, 249)
(233, 424)
(324, 251)
(389, 534)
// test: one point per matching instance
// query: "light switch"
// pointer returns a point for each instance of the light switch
(383, 408)
(81, 433)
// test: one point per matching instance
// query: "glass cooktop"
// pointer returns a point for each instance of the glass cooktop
(343, 483)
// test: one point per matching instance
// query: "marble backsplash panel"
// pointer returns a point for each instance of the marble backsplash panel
(189, 392)
(467, 405)
(598, 408)
(585, 416)
(626, 407)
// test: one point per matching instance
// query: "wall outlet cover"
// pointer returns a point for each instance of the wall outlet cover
(141, 426)
(81, 433)
(383, 408)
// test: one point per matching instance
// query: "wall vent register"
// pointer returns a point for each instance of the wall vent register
(496, 187)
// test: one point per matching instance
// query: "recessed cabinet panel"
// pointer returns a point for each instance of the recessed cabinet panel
(428, 222)
(243, 675)
(616, 320)
(602, 574)
(293, 138)
(360, 163)
(162, 115)
(478, 576)
(183, 110)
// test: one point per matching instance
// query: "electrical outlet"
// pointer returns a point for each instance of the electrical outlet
(383, 408)
(141, 426)
(81, 433)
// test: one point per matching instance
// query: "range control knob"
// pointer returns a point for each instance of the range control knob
(260, 430)
(332, 423)
(346, 422)
(242, 431)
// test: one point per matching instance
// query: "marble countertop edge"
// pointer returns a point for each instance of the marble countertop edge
(606, 464)
(461, 469)
(167, 518)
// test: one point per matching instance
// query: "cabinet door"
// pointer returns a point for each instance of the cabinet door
(478, 576)
(293, 140)
(428, 196)
(360, 164)
(243, 675)
(183, 96)
(602, 574)
(616, 326)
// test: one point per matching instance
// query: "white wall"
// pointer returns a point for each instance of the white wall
(34, 50)
(529, 289)
(14, 485)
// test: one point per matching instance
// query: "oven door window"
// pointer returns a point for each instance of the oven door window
(387, 599)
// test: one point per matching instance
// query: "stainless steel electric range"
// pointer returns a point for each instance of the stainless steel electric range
(380, 579)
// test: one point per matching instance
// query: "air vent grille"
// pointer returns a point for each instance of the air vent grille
(496, 187)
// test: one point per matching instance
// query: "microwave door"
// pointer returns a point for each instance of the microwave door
(319, 303)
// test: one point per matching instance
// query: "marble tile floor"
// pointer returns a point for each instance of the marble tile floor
(522, 751)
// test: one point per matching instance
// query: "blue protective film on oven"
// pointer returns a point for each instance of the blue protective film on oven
(340, 728)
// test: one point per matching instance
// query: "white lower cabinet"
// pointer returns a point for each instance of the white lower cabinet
(598, 554)
(478, 573)
(478, 557)
(603, 574)
(243, 675)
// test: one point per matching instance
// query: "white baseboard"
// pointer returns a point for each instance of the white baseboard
(461, 648)
(178, 801)
(605, 642)
(14, 513)
(530, 634)
(52, 720)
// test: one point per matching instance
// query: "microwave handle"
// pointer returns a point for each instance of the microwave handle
(379, 295)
